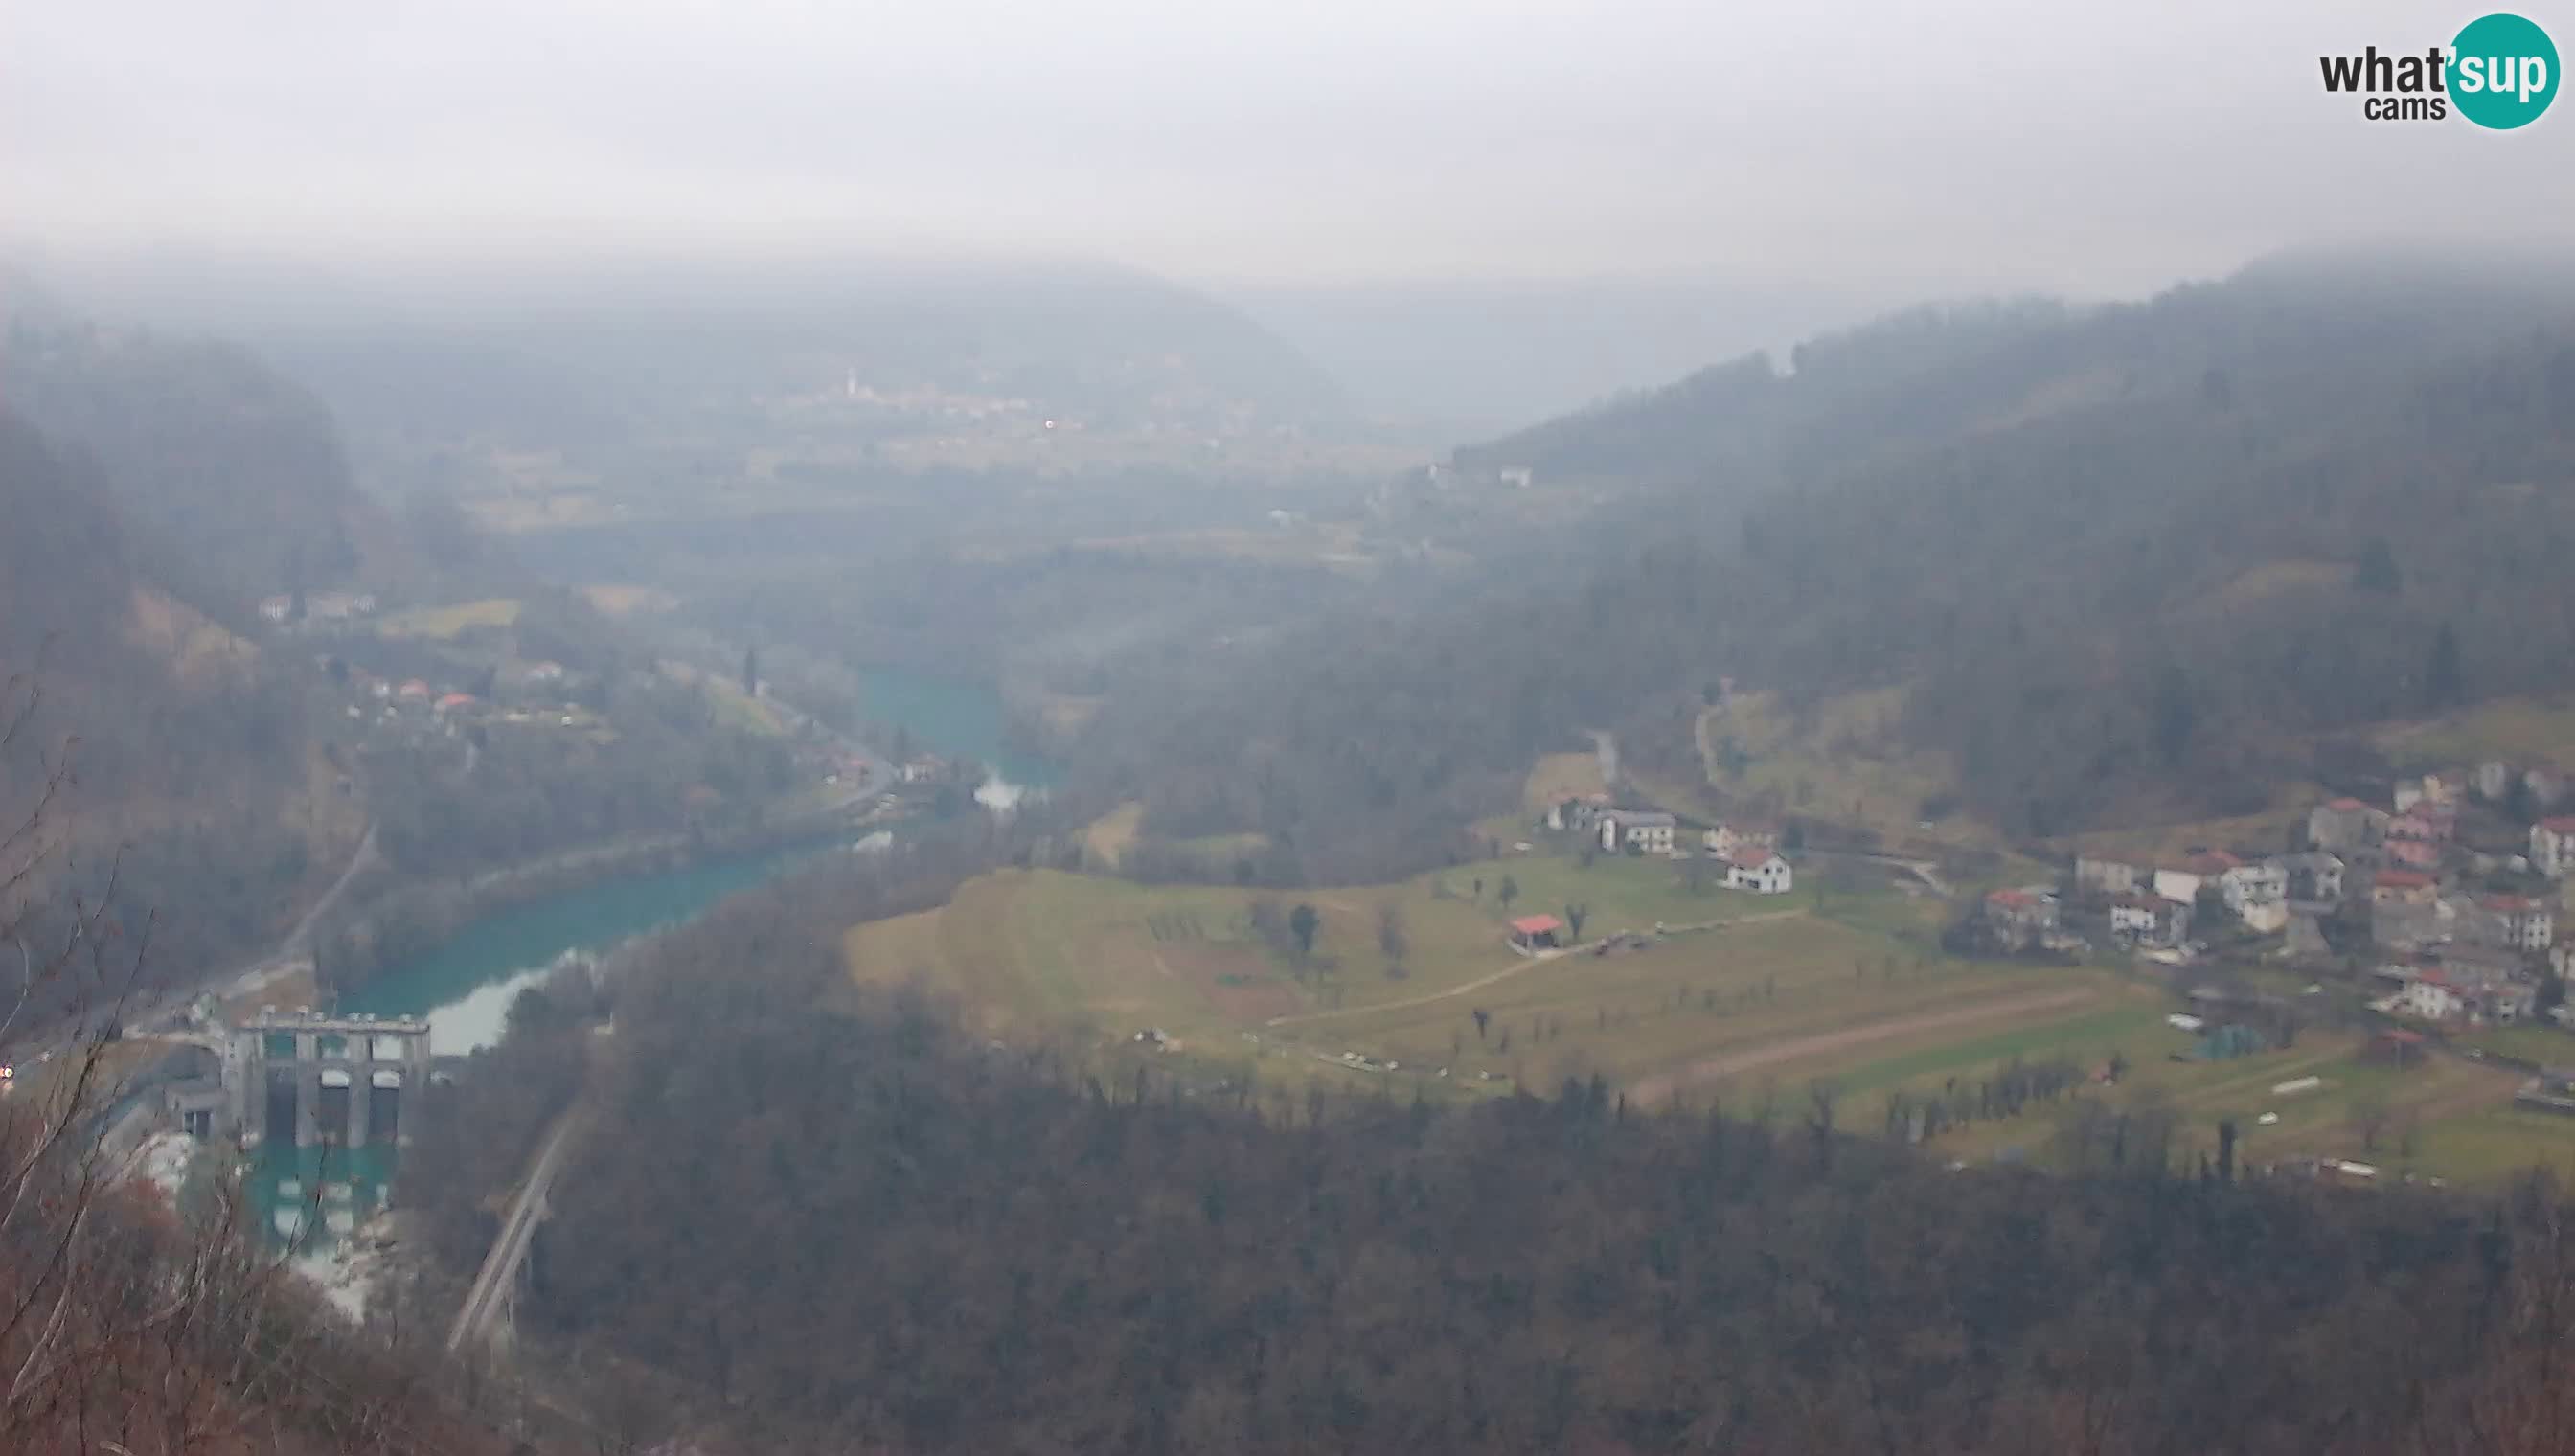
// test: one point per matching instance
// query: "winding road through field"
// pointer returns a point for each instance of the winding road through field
(1517, 966)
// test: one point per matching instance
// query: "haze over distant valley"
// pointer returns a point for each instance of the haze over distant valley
(1403, 728)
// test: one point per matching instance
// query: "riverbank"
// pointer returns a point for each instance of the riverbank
(393, 920)
(958, 718)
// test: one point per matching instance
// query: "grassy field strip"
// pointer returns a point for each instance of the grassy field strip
(2095, 1032)
(2493, 1143)
(442, 622)
(1780, 994)
(1516, 967)
(1717, 1068)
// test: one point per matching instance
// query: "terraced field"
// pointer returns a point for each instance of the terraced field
(1742, 1000)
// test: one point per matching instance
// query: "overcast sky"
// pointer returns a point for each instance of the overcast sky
(1964, 143)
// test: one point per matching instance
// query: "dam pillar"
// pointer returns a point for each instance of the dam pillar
(345, 1081)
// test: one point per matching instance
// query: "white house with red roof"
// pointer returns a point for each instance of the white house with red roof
(2403, 888)
(1536, 932)
(1759, 869)
(2431, 998)
(2150, 918)
(2021, 918)
(1740, 833)
(2527, 924)
(2431, 823)
(2183, 881)
(2413, 854)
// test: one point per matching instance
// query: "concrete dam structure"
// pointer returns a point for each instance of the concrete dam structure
(308, 1078)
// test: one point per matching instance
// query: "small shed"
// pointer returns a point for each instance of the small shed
(1537, 932)
(2227, 1043)
(2395, 1046)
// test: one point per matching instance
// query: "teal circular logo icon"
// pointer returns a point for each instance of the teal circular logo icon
(2503, 71)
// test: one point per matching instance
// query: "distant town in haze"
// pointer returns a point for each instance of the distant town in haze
(1135, 731)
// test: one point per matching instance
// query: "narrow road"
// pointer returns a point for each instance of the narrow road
(160, 1010)
(1604, 749)
(1505, 973)
(483, 1301)
(302, 935)
(1925, 870)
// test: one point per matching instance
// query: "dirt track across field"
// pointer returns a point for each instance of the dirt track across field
(1663, 1085)
(1526, 963)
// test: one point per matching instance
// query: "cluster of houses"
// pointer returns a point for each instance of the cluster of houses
(412, 705)
(1748, 849)
(318, 606)
(2461, 923)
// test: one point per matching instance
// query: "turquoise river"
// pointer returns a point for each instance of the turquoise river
(465, 985)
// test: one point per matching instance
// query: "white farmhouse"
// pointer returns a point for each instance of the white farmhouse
(1650, 832)
(2431, 998)
(1759, 871)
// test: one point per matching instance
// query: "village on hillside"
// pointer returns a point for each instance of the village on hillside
(2442, 906)
(1747, 848)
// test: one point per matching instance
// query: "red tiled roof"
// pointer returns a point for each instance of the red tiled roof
(2019, 899)
(2211, 862)
(2561, 824)
(1752, 858)
(2347, 805)
(2403, 879)
(1534, 925)
(2508, 905)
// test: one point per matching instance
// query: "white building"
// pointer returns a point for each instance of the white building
(1650, 832)
(1759, 871)
(2432, 999)
(2133, 916)
(2314, 875)
(2183, 881)
(2100, 875)
(2264, 918)
(2525, 924)
(2247, 885)
(2552, 847)
(1734, 836)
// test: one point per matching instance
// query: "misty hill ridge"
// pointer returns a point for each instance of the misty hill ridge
(549, 357)
(2110, 547)
(2108, 554)
(237, 470)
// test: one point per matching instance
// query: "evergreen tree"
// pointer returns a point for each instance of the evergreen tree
(2443, 684)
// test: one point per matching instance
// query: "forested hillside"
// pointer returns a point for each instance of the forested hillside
(2128, 561)
(852, 1225)
(204, 443)
(185, 743)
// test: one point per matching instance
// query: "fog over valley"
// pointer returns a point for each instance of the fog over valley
(1480, 727)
